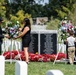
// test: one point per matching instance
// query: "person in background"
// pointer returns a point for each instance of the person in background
(71, 47)
(1, 35)
(26, 38)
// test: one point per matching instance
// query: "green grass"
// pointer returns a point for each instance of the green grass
(40, 68)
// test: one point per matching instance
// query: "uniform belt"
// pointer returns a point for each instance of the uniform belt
(71, 46)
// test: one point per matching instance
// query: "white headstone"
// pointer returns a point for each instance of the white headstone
(21, 68)
(54, 72)
(2, 65)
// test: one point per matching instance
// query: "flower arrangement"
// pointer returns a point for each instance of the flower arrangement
(66, 26)
(12, 29)
(33, 57)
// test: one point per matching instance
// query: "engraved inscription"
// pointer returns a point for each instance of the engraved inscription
(48, 43)
(34, 43)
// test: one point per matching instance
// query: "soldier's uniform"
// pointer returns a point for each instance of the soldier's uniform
(71, 48)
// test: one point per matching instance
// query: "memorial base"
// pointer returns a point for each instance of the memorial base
(69, 62)
(62, 61)
(11, 60)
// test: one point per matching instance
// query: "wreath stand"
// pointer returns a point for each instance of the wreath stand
(12, 60)
(62, 60)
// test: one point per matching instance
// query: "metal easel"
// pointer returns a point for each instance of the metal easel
(64, 60)
(11, 48)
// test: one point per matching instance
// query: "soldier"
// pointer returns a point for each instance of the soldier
(1, 35)
(71, 47)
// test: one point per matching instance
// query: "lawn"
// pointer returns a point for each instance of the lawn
(40, 68)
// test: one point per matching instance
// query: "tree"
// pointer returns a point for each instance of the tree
(2, 8)
(20, 15)
(28, 6)
(72, 14)
(53, 24)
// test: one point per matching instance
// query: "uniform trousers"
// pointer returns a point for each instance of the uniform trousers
(71, 54)
(0, 48)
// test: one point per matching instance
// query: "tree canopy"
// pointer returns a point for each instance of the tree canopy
(56, 8)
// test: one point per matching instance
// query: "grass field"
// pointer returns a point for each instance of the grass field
(40, 68)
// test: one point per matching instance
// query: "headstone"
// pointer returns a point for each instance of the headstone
(21, 68)
(61, 48)
(2, 65)
(54, 72)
